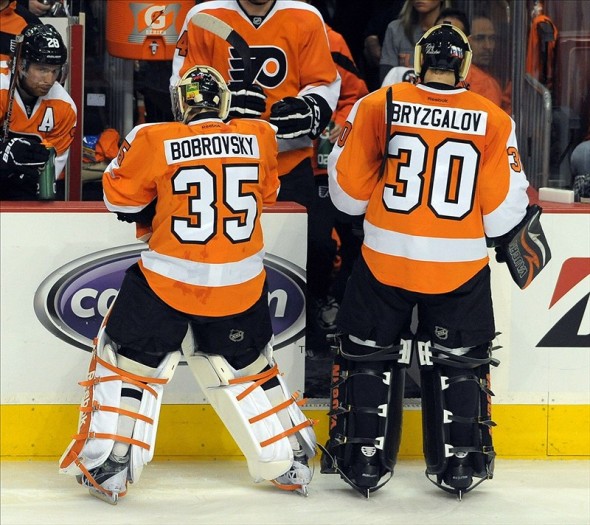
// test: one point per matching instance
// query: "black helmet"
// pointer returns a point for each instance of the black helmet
(443, 47)
(43, 44)
(201, 87)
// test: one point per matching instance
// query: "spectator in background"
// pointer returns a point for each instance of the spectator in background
(374, 35)
(455, 17)
(42, 112)
(483, 44)
(580, 168)
(13, 20)
(36, 7)
(416, 17)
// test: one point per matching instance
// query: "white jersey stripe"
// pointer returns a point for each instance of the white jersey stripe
(417, 248)
(204, 274)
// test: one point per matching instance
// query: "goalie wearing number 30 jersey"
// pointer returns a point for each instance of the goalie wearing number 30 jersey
(436, 171)
(454, 176)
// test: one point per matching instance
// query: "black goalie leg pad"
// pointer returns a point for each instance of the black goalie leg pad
(367, 390)
(456, 416)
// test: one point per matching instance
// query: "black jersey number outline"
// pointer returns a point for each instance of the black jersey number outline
(201, 225)
(452, 181)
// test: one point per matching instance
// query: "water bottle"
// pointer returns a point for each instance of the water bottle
(324, 147)
(46, 190)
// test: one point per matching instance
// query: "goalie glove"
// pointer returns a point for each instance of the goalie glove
(297, 116)
(21, 156)
(249, 102)
(524, 249)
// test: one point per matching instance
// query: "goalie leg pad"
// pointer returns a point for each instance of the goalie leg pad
(366, 412)
(260, 423)
(104, 418)
(456, 415)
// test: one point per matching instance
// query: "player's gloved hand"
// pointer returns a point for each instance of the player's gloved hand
(23, 157)
(501, 254)
(248, 102)
(295, 117)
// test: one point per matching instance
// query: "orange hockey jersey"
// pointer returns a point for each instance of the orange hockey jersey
(481, 82)
(211, 181)
(289, 54)
(53, 119)
(541, 51)
(453, 175)
(13, 20)
(352, 87)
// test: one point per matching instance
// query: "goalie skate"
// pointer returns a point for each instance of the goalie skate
(111, 478)
(298, 477)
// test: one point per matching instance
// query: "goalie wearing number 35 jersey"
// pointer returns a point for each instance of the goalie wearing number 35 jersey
(453, 176)
(200, 184)
(211, 179)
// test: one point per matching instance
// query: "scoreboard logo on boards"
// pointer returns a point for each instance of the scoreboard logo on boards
(571, 301)
(73, 300)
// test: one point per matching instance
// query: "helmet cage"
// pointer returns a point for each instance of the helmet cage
(201, 87)
(443, 47)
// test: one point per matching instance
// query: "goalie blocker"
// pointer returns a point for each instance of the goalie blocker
(524, 249)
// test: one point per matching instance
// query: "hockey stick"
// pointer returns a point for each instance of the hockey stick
(388, 117)
(13, 74)
(223, 30)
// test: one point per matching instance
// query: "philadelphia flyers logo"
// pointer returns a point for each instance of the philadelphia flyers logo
(268, 63)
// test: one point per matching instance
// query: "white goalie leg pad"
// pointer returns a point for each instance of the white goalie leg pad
(144, 431)
(306, 435)
(100, 410)
(248, 413)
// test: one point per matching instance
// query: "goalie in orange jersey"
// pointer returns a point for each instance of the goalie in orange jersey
(201, 183)
(436, 170)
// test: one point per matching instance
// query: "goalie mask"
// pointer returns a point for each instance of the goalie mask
(443, 47)
(42, 44)
(201, 87)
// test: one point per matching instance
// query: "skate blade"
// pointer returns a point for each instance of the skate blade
(303, 491)
(298, 489)
(111, 499)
